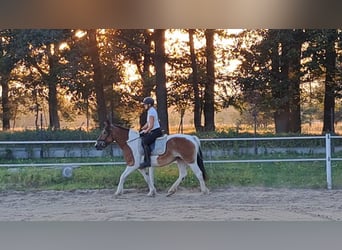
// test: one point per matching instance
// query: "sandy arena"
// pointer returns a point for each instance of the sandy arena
(230, 204)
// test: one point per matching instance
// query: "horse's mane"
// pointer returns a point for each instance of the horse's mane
(120, 126)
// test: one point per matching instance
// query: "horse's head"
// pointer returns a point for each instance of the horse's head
(106, 136)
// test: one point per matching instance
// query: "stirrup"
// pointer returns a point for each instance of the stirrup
(144, 165)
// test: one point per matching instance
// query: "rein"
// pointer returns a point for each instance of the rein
(136, 138)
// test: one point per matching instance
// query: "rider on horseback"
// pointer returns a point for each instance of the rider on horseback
(150, 131)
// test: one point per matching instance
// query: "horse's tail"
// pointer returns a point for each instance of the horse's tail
(200, 159)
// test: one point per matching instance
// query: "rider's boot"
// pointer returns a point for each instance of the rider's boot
(147, 157)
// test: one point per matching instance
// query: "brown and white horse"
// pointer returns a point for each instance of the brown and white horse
(183, 149)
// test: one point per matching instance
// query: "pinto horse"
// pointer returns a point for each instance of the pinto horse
(183, 149)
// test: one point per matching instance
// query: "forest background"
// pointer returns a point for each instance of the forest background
(278, 81)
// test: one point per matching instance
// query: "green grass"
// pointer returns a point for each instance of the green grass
(279, 174)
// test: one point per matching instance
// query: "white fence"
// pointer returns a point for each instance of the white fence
(327, 159)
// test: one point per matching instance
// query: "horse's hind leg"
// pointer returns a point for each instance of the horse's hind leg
(182, 174)
(197, 171)
(149, 180)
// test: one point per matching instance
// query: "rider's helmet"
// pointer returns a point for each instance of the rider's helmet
(148, 100)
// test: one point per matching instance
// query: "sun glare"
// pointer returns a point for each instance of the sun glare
(180, 36)
(63, 46)
(130, 73)
(80, 33)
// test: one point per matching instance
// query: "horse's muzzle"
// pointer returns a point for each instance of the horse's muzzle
(99, 145)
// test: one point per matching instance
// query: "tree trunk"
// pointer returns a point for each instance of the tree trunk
(6, 115)
(281, 122)
(280, 94)
(98, 77)
(146, 77)
(209, 94)
(53, 106)
(330, 85)
(52, 96)
(161, 91)
(197, 101)
(7, 62)
(294, 82)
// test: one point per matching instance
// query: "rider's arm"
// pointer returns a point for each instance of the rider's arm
(144, 127)
(149, 125)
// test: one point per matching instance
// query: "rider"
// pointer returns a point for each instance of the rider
(150, 131)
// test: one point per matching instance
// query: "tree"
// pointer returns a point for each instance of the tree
(330, 84)
(6, 115)
(286, 66)
(94, 55)
(44, 54)
(195, 83)
(8, 59)
(161, 91)
(78, 83)
(182, 74)
(270, 75)
(297, 38)
(52, 78)
(323, 57)
(136, 47)
(286, 69)
(209, 93)
(5, 68)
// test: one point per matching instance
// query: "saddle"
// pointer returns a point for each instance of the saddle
(159, 146)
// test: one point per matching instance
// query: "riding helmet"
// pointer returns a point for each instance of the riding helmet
(148, 100)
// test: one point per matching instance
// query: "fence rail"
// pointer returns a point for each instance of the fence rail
(328, 158)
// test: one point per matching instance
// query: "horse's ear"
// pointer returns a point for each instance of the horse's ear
(106, 123)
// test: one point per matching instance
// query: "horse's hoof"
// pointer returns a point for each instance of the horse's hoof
(152, 193)
(170, 193)
(206, 192)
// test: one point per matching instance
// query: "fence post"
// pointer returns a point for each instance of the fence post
(328, 159)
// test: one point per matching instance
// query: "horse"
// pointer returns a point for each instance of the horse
(183, 149)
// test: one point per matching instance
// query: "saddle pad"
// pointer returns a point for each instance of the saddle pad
(158, 148)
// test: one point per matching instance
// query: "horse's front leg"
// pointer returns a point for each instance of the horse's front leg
(127, 172)
(149, 180)
(151, 175)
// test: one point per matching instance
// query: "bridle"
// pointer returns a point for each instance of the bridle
(103, 142)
